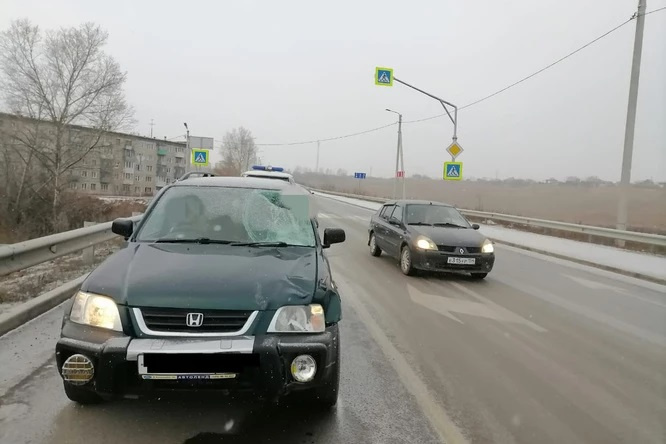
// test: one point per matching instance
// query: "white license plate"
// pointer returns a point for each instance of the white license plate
(461, 260)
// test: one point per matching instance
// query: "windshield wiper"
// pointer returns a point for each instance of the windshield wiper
(199, 240)
(448, 224)
(263, 244)
(420, 223)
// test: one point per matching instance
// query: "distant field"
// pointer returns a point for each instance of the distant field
(567, 203)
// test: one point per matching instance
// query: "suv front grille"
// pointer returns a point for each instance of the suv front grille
(175, 320)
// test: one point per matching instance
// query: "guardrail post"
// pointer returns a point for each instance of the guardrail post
(89, 253)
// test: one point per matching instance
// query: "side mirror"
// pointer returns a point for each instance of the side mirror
(475, 226)
(394, 221)
(123, 227)
(333, 236)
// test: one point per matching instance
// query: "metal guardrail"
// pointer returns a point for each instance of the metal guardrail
(610, 233)
(15, 257)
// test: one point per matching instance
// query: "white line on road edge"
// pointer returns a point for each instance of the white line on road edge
(443, 425)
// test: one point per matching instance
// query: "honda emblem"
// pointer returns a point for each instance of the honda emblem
(194, 319)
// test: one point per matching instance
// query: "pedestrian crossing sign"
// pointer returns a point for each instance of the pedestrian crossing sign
(383, 76)
(453, 170)
(200, 157)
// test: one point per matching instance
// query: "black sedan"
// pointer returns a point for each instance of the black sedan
(223, 285)
(430, 236)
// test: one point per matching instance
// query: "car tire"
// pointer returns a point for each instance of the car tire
(81, 395)
(374, 249)
(479, 275)
(406, 261)
(326, 396)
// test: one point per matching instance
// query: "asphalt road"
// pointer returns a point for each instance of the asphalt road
(542, 351)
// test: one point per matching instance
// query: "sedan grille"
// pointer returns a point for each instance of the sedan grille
(176, 320)
(456, 250)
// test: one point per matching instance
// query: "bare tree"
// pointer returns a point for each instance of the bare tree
(65, 78)
(238, 150)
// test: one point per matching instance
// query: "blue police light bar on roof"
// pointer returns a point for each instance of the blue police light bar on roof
(267, 168)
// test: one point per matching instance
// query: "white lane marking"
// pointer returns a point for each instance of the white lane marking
(444, 426)
(594, 285)
(485, 308)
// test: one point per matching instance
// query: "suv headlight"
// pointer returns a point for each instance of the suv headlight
(298, 319)
(95, 310)
(425, 243)
(487, 247)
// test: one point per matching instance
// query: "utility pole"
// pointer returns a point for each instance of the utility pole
(625, 178)
(317, 165)
(151, 128)
(188, 166)
(399, 160)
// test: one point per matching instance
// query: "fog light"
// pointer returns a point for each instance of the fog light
(303, 368)
(78, 370)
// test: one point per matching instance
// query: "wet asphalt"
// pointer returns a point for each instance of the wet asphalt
(542, 351)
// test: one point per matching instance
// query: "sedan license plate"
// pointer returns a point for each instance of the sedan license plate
(461, 260)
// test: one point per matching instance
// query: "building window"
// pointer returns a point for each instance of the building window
(94, 174)
(93, 186)
(138, 167)
(149, 190)
(136, 189)
(128, 165)
(117, 164)
(94, 162)
(84, 186)
(149, 179)
(149, 168)
(84, 174)
(179, 160)
(104, 186)
(168, 180)
(85, 162)
(128, 175)
(72, 185)
(126, 187)
(137, 178)
(170, 160)
(168, 170)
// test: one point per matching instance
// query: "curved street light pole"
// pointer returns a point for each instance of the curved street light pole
(399, 159)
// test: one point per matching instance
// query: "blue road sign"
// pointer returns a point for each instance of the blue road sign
(383, 76)
(200, 157)
(359, 175)
(453, 170)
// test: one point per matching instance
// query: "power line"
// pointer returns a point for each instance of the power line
(655, 10)
(330, 138)
(561, 59)
(483, 99)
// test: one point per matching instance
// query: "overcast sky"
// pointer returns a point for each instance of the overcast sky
(303, 70)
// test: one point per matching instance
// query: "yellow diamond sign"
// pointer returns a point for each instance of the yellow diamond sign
(454, 150)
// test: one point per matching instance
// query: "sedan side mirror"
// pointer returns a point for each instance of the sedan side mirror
(475, 226)
(394, 221)
(123, 227)
(333, 236)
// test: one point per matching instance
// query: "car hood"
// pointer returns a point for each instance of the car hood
(456, 237)
(206, 276)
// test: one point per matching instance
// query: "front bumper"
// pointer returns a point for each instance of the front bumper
(438, 261)
(260, 364)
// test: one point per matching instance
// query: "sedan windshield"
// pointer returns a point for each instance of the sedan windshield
(229, 216)
(435, 215)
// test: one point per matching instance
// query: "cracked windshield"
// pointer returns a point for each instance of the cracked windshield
(352, 222)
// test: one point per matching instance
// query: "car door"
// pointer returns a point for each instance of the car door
(380, 226)
(395, 231)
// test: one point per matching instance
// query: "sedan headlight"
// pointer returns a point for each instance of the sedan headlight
(298, 319)
(425, 243)
(487, 247)
(95, 310)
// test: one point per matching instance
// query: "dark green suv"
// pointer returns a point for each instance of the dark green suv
(222, 285)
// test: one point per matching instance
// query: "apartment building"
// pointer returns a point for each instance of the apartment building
(119, 164)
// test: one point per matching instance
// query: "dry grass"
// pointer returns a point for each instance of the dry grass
(566, 203)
